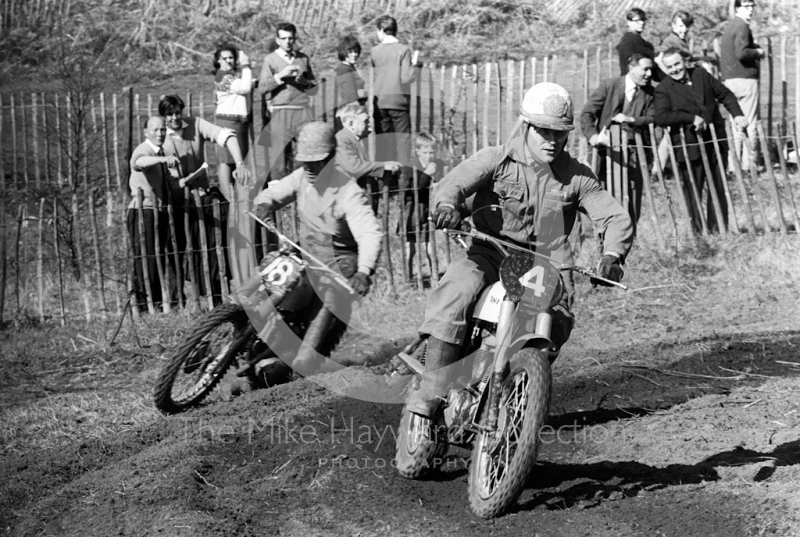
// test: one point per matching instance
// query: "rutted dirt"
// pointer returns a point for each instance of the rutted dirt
(665, 421)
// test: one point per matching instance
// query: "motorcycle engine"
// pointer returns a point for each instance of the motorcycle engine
(457, 414)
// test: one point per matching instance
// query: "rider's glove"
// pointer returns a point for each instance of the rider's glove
(610, 268)
(360, 283)
(446, 216)
(263, 210)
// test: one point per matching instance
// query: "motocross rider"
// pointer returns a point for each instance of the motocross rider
(337, 226)
(528, 192)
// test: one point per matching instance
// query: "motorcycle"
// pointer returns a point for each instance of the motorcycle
(280, 296)
(501, 398)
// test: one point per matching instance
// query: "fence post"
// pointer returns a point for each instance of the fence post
(189, 252)
(784, 84)
(14, 165)
(46, 130)
(475, 99)
(98, 260)
(2, 183)
(17, 259)
(431, 95)
(660, 174)
(737, 170)
(785, 174)
(725, 188)
(201, 222)
(58, 261)
(486, 89)
(35, 129)
(721, 216)
(509, 95)
(452, 109)
(645, 172)
(754, 185)
(698, 200)
(417, 227)
(223, 267)
(770, 85)
(25, 152)
(127, 95)
(3, 273)
(115, 125)
(773, 182)
(40, 261)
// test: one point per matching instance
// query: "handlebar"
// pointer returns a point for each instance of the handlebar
(504, 246)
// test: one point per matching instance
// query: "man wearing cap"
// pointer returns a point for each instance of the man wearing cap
(529, 192)
(338, 227)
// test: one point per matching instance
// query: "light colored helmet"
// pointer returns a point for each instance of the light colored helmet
(549, 106)
(315, 142)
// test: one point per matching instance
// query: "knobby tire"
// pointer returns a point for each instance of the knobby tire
(211, 369)
(496, 479)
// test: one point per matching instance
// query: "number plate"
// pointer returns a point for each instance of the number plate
(530, 279)
(280, 272)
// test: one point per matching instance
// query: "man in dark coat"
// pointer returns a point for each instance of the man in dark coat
(689, 99)
(628, 101)
(632, 42)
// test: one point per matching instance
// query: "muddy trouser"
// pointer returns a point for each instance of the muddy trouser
(450, 302)
(330, 317)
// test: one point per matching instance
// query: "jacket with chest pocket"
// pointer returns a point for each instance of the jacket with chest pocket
(521, 199)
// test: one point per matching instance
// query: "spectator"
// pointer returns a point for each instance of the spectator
(349, 85)
(628, 101)
(681, 22)
(286, 79)
(393, 76)
(429, 171)
(149, 172)
(633, 42)
(186, 138)
(233, 81)
(739, 69)
(689, 99)
(351, 155)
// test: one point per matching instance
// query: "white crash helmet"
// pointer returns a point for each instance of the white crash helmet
(549, 106)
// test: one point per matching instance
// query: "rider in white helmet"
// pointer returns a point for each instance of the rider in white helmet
(540, 188)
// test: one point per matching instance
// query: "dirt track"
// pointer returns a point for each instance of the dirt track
(676, 449)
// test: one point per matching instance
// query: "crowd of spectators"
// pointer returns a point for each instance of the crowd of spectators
(680, 94)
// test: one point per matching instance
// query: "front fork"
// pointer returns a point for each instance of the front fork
(541, 331)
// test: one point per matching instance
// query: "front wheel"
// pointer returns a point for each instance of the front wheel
(202, 359)
(502, 461)
(421, 446)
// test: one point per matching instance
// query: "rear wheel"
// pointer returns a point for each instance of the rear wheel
(502, 461)
(202, 359)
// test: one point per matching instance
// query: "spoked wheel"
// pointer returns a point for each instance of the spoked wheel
(203, 358)
(502, 461)
(418, 450)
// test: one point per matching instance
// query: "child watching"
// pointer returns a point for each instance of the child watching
(429, 170)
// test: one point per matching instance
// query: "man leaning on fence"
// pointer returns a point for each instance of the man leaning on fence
(627, 101)
(186, 138)
(689, 100)
(351, 155)
(150, 174)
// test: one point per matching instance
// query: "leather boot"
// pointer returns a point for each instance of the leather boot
(425, 401)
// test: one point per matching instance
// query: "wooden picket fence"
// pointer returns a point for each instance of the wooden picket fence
(64, 173)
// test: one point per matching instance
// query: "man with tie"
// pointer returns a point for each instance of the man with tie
(149, 173)
(286, 80)
(628, 101)
(689, 99)
(351, 155)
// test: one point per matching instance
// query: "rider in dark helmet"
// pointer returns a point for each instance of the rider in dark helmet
(540, 188)
(338, 227)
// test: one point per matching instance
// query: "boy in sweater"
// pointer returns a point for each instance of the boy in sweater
(286, 79)
(393, 77)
